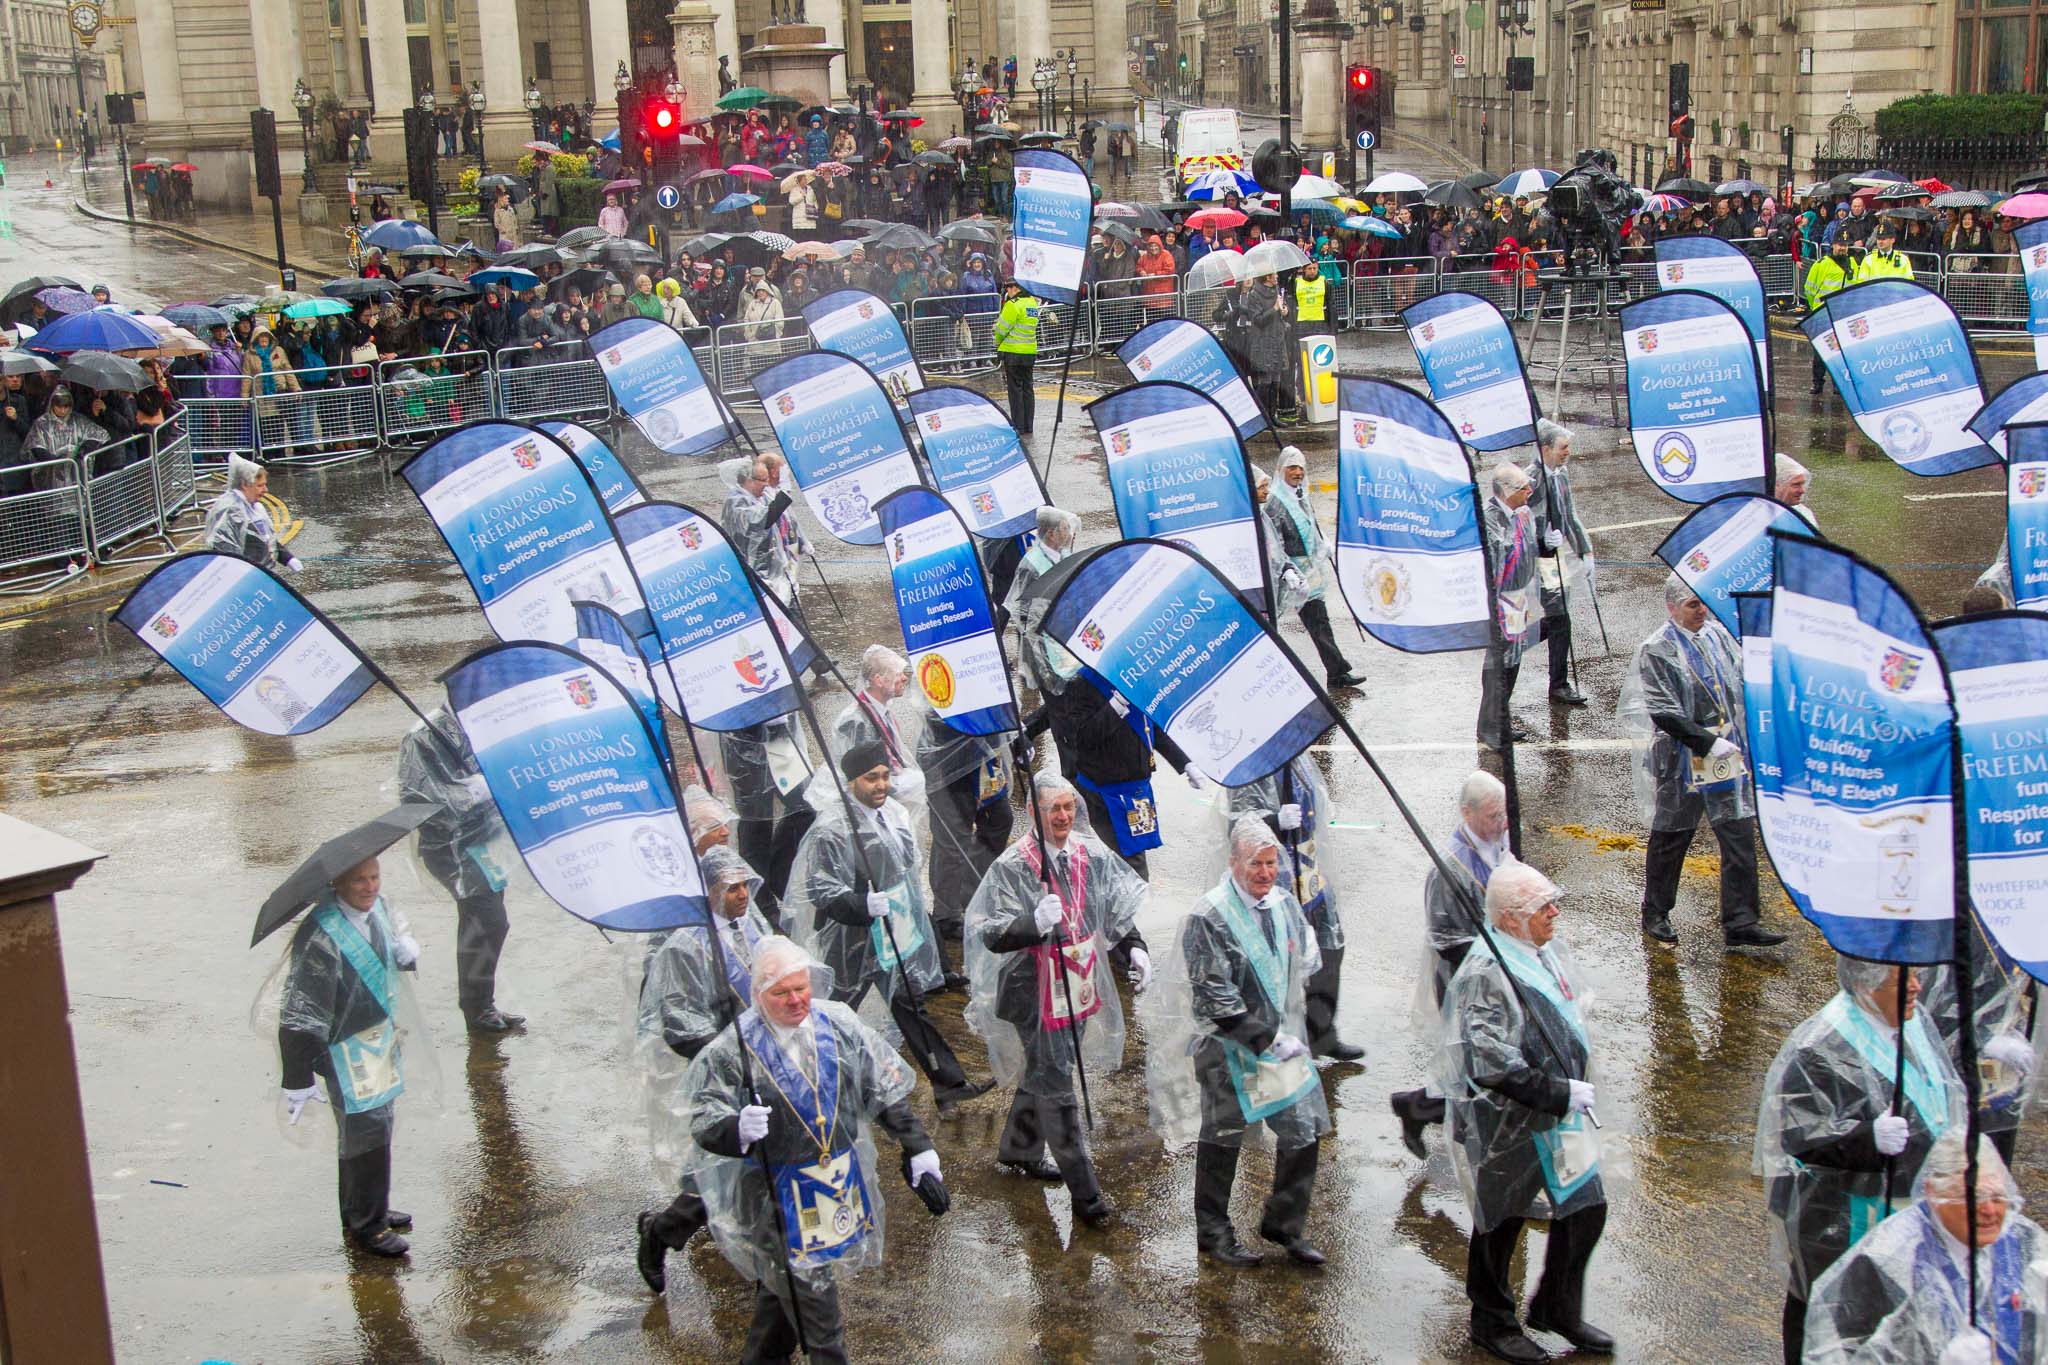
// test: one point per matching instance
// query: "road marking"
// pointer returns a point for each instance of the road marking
(1633, 525)
(1938, 497)
(1423, 746)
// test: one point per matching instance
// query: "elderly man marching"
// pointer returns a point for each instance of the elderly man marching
(238, 523)
(786, 1107)
(1682, 705)
(1512, 541)
(1226, 1050)
(1043, 930)
(1557, 524)
(1291, 518)
(1516, 1066)
(870, 718)
(752, 518)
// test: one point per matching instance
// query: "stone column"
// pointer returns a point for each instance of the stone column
(696, 45)
(931, 68)
(1032, 36)
(611, 42)
(156, 33)
(1110, 97)
(390, 79)
(1319, 51)
(507, 124)
(830, 15)
(348, 82)
(274, 38)
(437, 59)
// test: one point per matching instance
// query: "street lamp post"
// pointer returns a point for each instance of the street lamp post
(302, 100)
(1073, 73)
(477, 105)
(533, 106)
(861, 91)
(1042, 79)
(425, 104)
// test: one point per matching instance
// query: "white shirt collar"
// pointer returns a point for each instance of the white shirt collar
(1492, 850)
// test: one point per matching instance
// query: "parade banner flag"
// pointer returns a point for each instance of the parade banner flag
(1050, 213)
(1863, 729)
(2026, 513)
(853, 322)
(1760, 740)
(1410, 561)
(1186, 353)
(1178, 472)
(942, 603)
(1474, 369)
(656, 380)
(840, 433)
(1998, 666)
(1720, 268)
(2023, 400)
(614, 482)
(528, 528)
(253, 647)
(1724, 550)
(1161, 626)
(1820, 334)
(715, 663)
(978, 462)
(2031, 241)
(1695, 404)
(602, 638)
(579, 778)
(1906, 373)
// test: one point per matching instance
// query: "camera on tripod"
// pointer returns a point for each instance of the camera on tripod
(1589, 204)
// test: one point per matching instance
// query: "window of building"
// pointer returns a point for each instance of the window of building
(2001, 46)
(416, 11)
(543, 61)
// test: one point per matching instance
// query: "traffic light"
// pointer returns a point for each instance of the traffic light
(1681, 88)
(1275, 166)
(1183, 63)
(664, 120)
(1362, 103)
(263, 149)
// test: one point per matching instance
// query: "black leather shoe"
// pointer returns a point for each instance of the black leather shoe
(1231, 1252)
(961, 1093)
(1659, 928)
(1095, 1212)
(1754, 936)
(385, 1243)
(1583, 1335)
(1337, 1050)
(1297, 1247)
(1521, 732)
(1351, 677)
(1509, 1344)
(653, 1256)
(1417, 1111)
(1816, 387)
(398, 1219)
(956, 981)
(1567, 696)
(1041, 1169)
(495, 1020)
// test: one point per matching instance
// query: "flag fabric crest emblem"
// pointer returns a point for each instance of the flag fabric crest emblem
(165, 626)
(983, 501)
(1859, 327)
(896, 550)
(1674, 271)
(845, 509)
(1466, 428)
(1120, 442)
(1698, 561)
(1032, 258)
(1428, 331)
(784, 404)
(2030, 482)
(1144, 364)
(1646, 340)
(1092, 636)
(935, 679)
(1363, 431)
(612, 355)
(753, 669)
(865, 310)
(1023, 175)
(2040, 256)
(581, 691)
(931, 421)
(1676, 457)
(690, 534)
(526, 454)
(1898, 668)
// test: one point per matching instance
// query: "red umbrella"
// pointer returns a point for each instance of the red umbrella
(187, 167)
(1934, 185)
(1215, 218)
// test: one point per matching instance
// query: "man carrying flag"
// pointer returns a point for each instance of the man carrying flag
(1511, 540)
(1557, 522)
(751, 518)
(870, 719)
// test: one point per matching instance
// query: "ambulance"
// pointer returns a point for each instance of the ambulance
(1209, 139)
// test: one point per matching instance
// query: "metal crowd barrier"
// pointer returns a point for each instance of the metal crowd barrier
(121, 500)
(736, 356)
(219, 427)
(292, 424)
(556, 381)
(1122, 308)
(177, 478)
(1994, 294)
(948, 338)
(426, 394)
(1381, 289)
(43, 537)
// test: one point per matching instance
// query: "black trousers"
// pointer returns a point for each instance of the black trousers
(480, 928)
(1792, 1322)
(1315, 616)
(1286, 1212)
(754, 828)
(364, 1179)
(934, 1055)
(1557, 628)
(1023, 399)
(1322, 1001)
(1561, 1292)
(1496, 686)
(965, 842)
(1038, 1122)
(1666, 860)
(772, 1335)
(675, 1225)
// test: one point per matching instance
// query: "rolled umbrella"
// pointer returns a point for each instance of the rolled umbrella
(1218, 218)
(1519, 183)
(576, 239)
(1449, 194)
(1273, 258)
(1391, 182)
(323, 306)
(736, 202)
(394, 233)
(14, 360)
(310, 881)
(519, 280)
(1740, 187)
(1688, 189)
(353, 290)
(98, 370)
(623, 183)
(61, 300)
(967, 230)
(98, 330)
(1218, 268)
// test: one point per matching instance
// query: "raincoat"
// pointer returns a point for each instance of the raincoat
(236, 526)
(967, 791)
(1683, 692)
(1511, 538)
(749, 523)
(464, 844)
(1301, 867)
(2005, 1008)
(1292, 530)
(826, 907)
(866, 721)
(1027, 607)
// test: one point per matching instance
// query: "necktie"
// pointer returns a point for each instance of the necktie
(741, 947)
(1265, 912)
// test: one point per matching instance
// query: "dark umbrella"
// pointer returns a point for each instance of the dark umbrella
(16, 361)
(994, 130)
(312, 878)
(939, 159)
(23, 288)
(1740, 187)
(436, 252)
(902, 237)
(459, 294)
(966, 231)
(865, 225)
(1042, 138)
(707, 243)
(511, 184)
(430, 279)
(626, 253)
(532, 256)
(356, 290)
(1692, 191)
(1910, 213)
(1479, 180)
(1112, 228)
(1906, 190)
(197, 316)
(98, 370)
(575, 239)
(714, 173)
(1137, 215)
(589, 279)
(1449, 194)
(239, 305)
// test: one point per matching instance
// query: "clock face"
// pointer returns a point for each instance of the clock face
(85, 16)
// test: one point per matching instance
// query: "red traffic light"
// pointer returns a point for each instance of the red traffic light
(1360, 78)
(663, 119)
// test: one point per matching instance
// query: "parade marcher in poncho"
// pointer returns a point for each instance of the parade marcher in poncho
(856, 900)
(1110, 744)
(687, 993)
(1682, 705)
(1026, 605)
(821, 1082)
(2007, 1058)
(1476, 847)
(1030, 1012)
(1226, 1047)
(870, 718)
(751, 518)
(1511, 540)
(1516, 1067)
(768, 771)
(790, 541)
(1291, 519)
(1901, 1295)
(1827, 1139)
(237, 522)
(1557, 524)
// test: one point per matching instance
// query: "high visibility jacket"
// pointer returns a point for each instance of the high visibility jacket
(1308, 298)
(1017, 326)
(1823, 278)
(1874, 266)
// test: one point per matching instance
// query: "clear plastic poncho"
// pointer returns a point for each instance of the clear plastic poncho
(1695, 681)
(236, 526)
(1901, 1295)
(747, 524)
(857, 724)
(1293, 508)
(1451, 912)
(1027, 605)
(826, 908)
(1512, 541)
(1017, 1000)
(2005, 1009)
(464, 845)
(838, 1188)
(966, 779)
(1219, 999)
(1301, 863)
(1823, 1177)
(1500, 1071)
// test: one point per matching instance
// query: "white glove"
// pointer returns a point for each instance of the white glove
(1591, 567)
(295, 565)
(1287, 1047)
(878, 905)
(753, 1124)
(1582, 1096)
(1889, 1133)
(922, 1165)
(1047, 913)
(1290, 816)
(295, 1101)
(405, 950)
(1723, 748)
(478, 789)
(1552, 538)
(1291, 576)
(1196, 780)
(1970, 1347)
(1141, 970)
(2013, 1050)
(1118, 704)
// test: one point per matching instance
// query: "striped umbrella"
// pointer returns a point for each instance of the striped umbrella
(1526, 182)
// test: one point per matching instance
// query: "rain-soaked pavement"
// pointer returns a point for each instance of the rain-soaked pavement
(220, 1236)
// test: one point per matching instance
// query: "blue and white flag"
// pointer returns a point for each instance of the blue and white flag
(1159, 625)
(579, 779)
(1178, 472)
(527, 527)
(1820, 334)
(1724, 549)
(602, 638)
(949, 632)
(1050, 213)
(1906, 374)
(656, 380)
(615, 483)
(840, 433)
(1760, 737)
(1695, 404)
(2023, 400)
(978, 461)
(1474, 369)
(1722, 269)
(253, 647)
(1187, 353)
(1864, 731)
(2026, 513)
(2031, 241)
(715, 664)
(853, 322)
(1410, 561)
(1998, 666)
